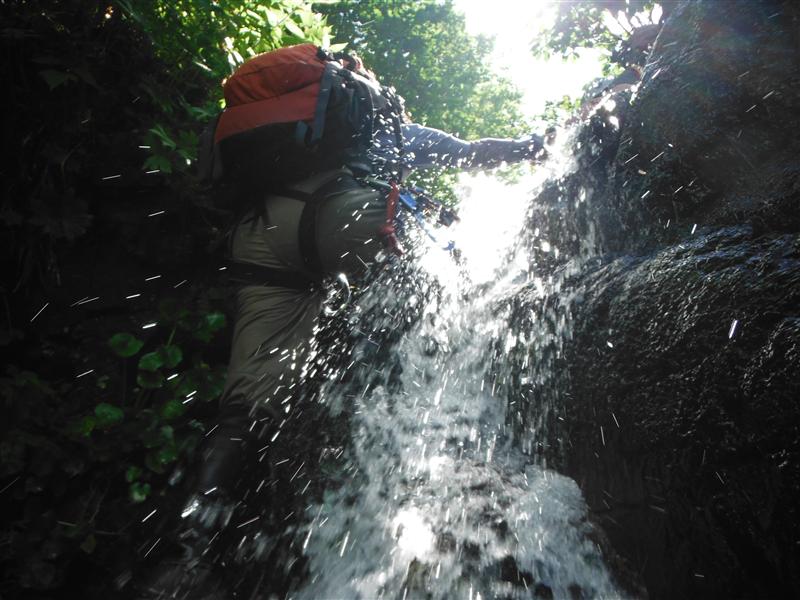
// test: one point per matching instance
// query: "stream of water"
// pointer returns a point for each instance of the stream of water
(441, 501)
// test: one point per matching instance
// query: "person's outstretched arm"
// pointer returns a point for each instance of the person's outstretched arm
(428, 147)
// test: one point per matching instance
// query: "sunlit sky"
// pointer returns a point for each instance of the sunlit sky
(484, 233)
(514, 23)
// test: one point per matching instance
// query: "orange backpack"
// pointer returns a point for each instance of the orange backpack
(294, 111)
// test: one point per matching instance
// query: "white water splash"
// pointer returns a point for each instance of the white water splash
(441, 503)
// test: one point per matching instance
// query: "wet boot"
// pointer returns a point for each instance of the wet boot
(195, 568)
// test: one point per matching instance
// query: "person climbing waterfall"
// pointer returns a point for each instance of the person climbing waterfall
(312, 149)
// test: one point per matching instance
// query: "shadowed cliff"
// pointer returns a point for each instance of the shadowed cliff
(667, 339)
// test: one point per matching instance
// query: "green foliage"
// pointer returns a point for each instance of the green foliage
(208, 325)
(165, 356)
(139, 491)
(91, 453)
(149, 380)
(445, 75)
(217, 35)
(57, 92)
(107, 415)
(170, 152)
(168, 395)
(132, 474)
(558, 112)
(204, 41)
(125, 345)
(583, 25)
(116, 92)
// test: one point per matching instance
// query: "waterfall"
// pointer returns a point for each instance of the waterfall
(436, 498)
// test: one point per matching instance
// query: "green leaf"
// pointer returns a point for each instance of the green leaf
(168, 454)
(165, 138)
(172, 409)
(152, 361)
(170, 355)
(125, 345)
(167, 433)
(152, 438)
(188, 140)
(149, 380)
(153, 463)
(294, 29)
(157, 162)
(187, 383)
(215, 321)
(80, 427)
(108, 415)
(209, 325)
(87, 425)
(216, 383)
(133, 473)
(139, 491)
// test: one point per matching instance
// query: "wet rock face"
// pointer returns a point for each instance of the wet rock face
(715, 123)
(684, 423)
(667, 342)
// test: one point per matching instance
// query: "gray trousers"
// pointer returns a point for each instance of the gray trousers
(274, 325)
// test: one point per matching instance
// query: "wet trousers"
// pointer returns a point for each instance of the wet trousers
(275, 325)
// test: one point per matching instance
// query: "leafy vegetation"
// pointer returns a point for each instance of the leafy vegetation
(623, 29)
(115, 338)
(200, 42)
(587, 25)
(72, 446)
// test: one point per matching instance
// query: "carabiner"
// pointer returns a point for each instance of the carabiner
(344, 289)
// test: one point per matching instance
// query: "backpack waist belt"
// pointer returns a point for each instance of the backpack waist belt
(245, 273)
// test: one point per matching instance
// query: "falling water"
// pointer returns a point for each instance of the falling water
(437, 498)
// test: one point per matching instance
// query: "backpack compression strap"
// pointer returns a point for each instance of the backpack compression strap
(318, 123)
(245, 273)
